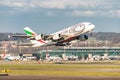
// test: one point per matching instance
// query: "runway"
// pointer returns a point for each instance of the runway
(39, 77)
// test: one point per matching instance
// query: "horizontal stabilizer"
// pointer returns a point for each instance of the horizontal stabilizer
(20, 36)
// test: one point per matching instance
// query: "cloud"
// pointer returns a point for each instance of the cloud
(108, 13)
(57, 4)
(81, 13)
(95, 13)
(62, 4)
(114, 13)
(13, 3)
(66, 4)
(88, 8)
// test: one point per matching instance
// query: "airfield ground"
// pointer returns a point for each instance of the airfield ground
(33, 70)
(18, 77)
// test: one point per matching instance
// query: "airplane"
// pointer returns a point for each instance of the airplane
(9, 57)
(12, 58)
(60, 38)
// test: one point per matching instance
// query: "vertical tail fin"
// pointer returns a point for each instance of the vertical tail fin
(29, 32)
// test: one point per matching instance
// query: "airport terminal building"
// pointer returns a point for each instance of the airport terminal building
(85, 52)
(78, 53)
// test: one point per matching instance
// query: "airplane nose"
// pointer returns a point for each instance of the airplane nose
(92, 26)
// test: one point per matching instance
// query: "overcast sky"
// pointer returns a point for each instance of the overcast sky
(47, 16)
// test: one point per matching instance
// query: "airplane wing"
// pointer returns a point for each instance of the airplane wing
(25, 44)
(55, 37)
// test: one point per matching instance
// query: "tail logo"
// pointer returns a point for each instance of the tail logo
(29, 32)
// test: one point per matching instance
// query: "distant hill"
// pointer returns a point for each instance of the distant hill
(110, 36)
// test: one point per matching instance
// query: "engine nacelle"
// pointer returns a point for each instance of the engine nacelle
(40, 36)
(83, 37)
(56, 37)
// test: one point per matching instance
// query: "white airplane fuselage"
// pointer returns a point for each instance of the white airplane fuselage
(68, 34)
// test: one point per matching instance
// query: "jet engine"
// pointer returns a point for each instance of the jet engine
(82, 37)
(56, 37)
(40, 36)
